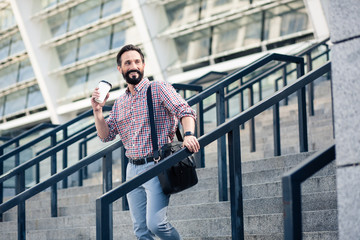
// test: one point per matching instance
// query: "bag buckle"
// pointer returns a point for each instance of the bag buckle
(156, 160)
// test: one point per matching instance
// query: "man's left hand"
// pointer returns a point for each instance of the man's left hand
(191, 143)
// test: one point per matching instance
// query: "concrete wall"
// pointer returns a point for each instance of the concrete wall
(344, 25)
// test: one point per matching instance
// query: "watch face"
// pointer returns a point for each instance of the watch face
(188, 134)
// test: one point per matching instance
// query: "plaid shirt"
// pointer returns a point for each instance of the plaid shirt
(130, 118)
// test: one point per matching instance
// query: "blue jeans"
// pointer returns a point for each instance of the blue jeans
(148, 207)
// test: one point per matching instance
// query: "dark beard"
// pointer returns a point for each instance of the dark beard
(133, 80)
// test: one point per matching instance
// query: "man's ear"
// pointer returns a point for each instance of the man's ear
(119, 68)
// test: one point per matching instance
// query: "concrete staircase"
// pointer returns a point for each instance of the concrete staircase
(197, 213)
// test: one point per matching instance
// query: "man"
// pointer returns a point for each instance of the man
(129, 118)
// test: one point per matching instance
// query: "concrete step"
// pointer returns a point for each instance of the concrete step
(269, 224)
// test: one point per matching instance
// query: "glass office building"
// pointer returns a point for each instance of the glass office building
(54, 52)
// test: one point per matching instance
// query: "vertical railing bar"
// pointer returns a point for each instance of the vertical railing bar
(107, 186)
(310, 86)
(65, 158)
(53, 170)
(260, 91)
(303, 138)
(292, 209)
(85, 169)
(21, 214)
(286, 100)
(276, 126)
(236, 201)
(227, 105)
(80, 172)
(252, 122)
(242, 101)
(221, 147)
(103, 222)
(200, 132)
(124, 162)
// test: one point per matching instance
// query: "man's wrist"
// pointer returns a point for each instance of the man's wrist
(188, 133)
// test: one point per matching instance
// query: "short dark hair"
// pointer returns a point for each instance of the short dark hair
(126, 48)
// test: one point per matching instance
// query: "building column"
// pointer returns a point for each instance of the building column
(43, 59)
(344, 28)
(317, 16)
(150, 20)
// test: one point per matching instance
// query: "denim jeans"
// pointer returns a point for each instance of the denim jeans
(148, 207)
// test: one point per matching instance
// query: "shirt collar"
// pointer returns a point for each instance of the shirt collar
(142, 84)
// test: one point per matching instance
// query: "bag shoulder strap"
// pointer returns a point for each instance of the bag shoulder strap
(152, 123)
(154, 138)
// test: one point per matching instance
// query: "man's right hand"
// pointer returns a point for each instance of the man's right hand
(95, 105)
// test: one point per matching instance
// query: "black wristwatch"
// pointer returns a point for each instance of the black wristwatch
(188, 133)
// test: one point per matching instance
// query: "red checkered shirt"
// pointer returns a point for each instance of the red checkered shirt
(130, 118)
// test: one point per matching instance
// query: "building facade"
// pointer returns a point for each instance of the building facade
(54, 52)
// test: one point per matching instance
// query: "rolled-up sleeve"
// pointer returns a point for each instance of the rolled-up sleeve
(174, 102)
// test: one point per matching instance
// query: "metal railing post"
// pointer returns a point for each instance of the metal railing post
(80, 173)
(124, 163)
(310, 86)
(53, 187)
(236, 201)
(103, 221)
(276, 126)
(292, 209)
(200, 130)
(301, 93)
(241, 100)
(221, 147)
(252, 122)
(65, 158)
(107, 186)
(21, 217)
(286, 100)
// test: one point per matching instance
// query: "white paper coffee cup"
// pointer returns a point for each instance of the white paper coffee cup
(104, 88)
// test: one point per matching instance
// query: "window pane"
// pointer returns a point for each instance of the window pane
(84, 13)
(7, 19)
(119, 36)
(76, 83)
(17, 44)
(95, 43)
(35, 97)
(4, 48)
(67, 52)
(15, 101)
(26, 71)
(293, 22)
(182, 12)
(2, 101)
(194, 46)
(111, 7)
(47, 3)
(225, 37)
(8, 75)
(253, 30)
(58, 23)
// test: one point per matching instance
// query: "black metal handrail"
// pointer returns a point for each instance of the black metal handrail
(103, 204)
(219, 89)
(50, 134)
(16, 140)
(19, 199)
(291, 188)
